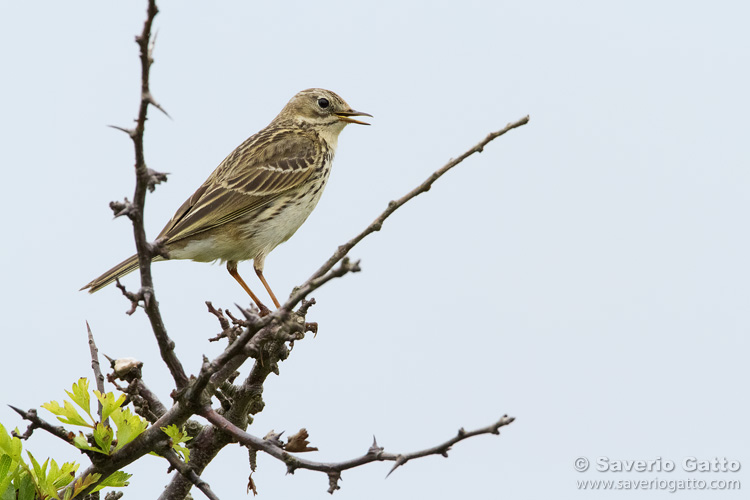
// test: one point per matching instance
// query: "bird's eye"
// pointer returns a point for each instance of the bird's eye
(323, 102)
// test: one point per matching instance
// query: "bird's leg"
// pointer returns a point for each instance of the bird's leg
(232, 268)
(259, 272)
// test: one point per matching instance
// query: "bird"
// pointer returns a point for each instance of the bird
(259, 195)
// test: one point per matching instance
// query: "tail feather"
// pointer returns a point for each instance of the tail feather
(125, 267)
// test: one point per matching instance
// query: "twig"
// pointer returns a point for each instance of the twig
(187, 472)
(443, 448)
(314, 283)
(37, 422)
(134, 298)
(95, 366)
(262, 338)
(146, 179)
(377, 224)
(230, 331)
(246, 401)
(334, 469)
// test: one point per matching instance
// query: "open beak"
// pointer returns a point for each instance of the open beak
(346, 116)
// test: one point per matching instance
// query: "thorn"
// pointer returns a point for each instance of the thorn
(375, 449)
(252, 317)
(399, 462)
(128, 131)
(150, 99)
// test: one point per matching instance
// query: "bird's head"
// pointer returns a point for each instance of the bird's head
(320, 108)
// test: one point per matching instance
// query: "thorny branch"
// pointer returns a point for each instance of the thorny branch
(268, 340)
(187, 472)
(374, 453)
(39, 423)
(146, 179)
(96, 367)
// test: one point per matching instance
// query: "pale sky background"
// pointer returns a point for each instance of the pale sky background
(588, 273)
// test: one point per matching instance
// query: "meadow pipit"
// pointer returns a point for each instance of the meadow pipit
(260, 194)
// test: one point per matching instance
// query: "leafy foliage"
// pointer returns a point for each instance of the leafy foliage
(103, 438)
(178, 437)
(22, 480)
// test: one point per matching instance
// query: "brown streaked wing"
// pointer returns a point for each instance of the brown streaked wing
(260, 170)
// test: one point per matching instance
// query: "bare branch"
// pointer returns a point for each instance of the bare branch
(443, 448)
(146, 180)
(377, 224)
(187, 472)
(39, 423)
(229, 330)
(134, 298)
(313, 284)
(334, 469)
(95, 366)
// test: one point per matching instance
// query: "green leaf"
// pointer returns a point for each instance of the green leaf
(7, 472)
(8, 494)
(109, 402)
(178, 437)
(129, 426)
(15, 449)
(176, 434)
(10, 461)
(48, 484)
(10, 445)
(82, 443)
(103, 435)
(41, 479)
(67, 414)
(81, 397)
(182, 451)
(5, 462)
(116, 480)
(37, 469)
(25, 487)
(62, 476)
(84, 482)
